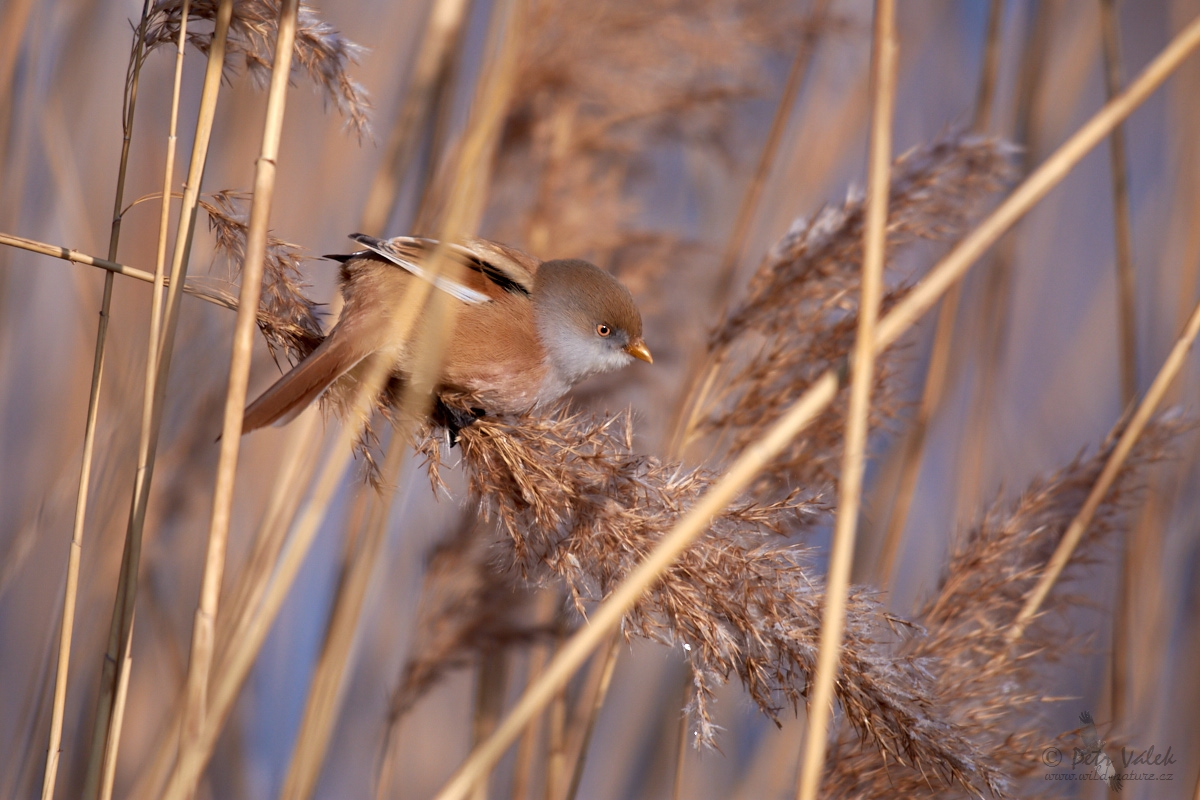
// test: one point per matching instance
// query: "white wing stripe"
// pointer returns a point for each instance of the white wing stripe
(450, 287)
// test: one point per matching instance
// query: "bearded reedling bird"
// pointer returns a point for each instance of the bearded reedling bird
(526, 332)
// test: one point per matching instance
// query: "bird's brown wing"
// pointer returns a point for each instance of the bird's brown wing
(297, 390)
(486, 270)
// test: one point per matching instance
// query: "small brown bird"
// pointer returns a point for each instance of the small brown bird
(526, 333)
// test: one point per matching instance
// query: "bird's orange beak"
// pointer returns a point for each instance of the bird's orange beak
(637, 348)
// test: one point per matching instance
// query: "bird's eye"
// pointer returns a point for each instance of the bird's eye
(603, 329)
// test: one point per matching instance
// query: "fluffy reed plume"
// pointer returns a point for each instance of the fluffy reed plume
(321, 51)
(798, 317)
(579, 505)
(289, 321)
(573, 160)
(984, 685)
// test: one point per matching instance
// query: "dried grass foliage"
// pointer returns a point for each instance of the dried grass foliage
(579, 137)
(321, 52)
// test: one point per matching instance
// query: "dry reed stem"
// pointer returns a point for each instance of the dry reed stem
(531, 740)
(157, 369)
(491, 678)
(430, 70)
(736, 241)
(1126, 320)
(556, 745)
(74, 256)
(990, 314)
(1145, 410)
(579, 736)
(914, 443)
(698, 382)
(11, 31)
(75, 551)
(464, 207)
(913, 447)
(681, 746)
(465, 606)
(203, 627)
(291, 328)
(527, 750)
(164, 215)
(117, 663)
(989, 71)
(298, 459)
(1122, 226)
(883, 80)
(191, 760)
(820, 394)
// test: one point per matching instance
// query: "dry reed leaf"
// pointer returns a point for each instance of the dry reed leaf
(320, 51)
(983, 685)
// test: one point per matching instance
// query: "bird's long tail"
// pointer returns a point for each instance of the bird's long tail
(297, 390)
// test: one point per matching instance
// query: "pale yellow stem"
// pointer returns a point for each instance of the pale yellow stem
(204, 624)
(883, 80)
(106, 731)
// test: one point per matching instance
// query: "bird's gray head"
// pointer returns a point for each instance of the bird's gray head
(586, 319)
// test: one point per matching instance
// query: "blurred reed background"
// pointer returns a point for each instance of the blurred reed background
(707, 153)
